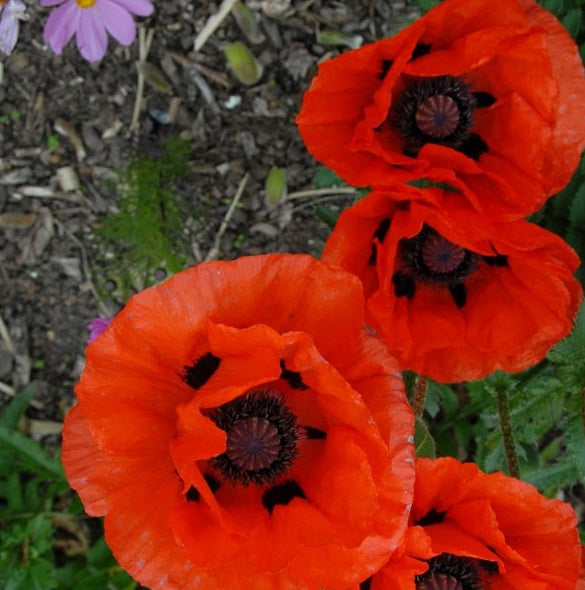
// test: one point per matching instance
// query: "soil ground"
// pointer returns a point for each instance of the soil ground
(52, 267)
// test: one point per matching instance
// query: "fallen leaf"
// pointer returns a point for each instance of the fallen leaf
(16, 220)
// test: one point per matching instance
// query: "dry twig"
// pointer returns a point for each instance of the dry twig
(5, 335)
(4, 388)
(213, 23)
(320, 192)
(144, 43)
(214, 251)
(86, 270)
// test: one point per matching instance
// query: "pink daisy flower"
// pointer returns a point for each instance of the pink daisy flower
(91, 21)
(13, 11)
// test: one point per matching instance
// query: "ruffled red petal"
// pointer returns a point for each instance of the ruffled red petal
(514, 310)
(138, 447)
(138, 492)
(568, 139)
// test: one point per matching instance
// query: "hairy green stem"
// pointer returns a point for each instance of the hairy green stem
(420, 395)
(507, 436)
(583, 409)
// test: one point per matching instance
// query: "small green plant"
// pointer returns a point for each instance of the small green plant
(147, 231)
(53, 142)
(45, 542)
(13, 115)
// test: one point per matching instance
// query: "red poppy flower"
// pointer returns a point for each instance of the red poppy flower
(488, 91)
(473, 531)
(238, 428)
(454, 295)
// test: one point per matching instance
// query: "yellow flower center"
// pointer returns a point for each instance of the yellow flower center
(83, 3)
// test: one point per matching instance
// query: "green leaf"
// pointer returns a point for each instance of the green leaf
(244, 65)
(575, 439)
(327, 215)
(40, 575)
(554, 6)
(13, 493)
(561, 202)
(275, 186)
(16, 408)
(426, 5)
(335, 37)
(247, 22)
(31, 453)
(423, 441)
(552, 478)
(573, 22)
(362, 192)
(99, 555)
(577, 208)
(325, 178)
(426, 183)
(494, 459)
(571, 350)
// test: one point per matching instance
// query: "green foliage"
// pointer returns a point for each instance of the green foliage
(53, 142)
(426, 183)
(32, 485)
(327, 215)
(325, 178)
(13, 115)
(547, 413)
(147, 231)
(564, 215)
(426, 5)
(424, 443)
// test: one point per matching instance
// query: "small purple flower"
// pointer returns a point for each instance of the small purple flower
(96, 327)
(91, 21)
(13, 13)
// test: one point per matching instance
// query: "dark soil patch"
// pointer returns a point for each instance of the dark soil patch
(52, 267)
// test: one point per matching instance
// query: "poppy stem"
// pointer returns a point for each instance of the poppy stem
(420, 395)
(583, 409)
(507, 436)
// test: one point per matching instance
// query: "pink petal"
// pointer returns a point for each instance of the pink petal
(117, 21)
(91, 36)
(51, 2)
(8, 33)
(138, 7)
(61, 25)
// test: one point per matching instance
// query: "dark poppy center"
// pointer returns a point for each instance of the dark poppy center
(434, 110)
(440, 582)
(441, 256)
(431, 258)
(253, 444)
(262, 436)
(437, 116)
(450, 572)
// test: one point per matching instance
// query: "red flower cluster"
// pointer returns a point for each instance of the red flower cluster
(457, 284)
(487, 91)
(231, 442)
(241, 426)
